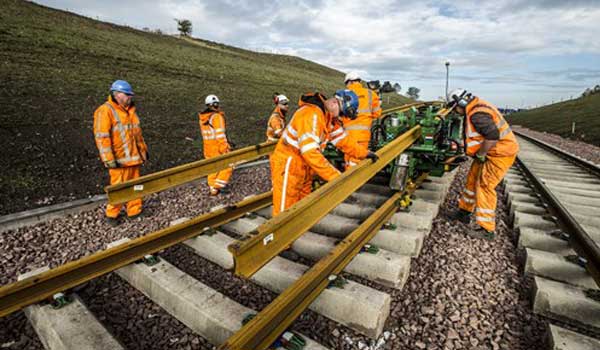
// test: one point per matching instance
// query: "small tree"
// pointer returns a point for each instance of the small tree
(184, 26)
(413, 92)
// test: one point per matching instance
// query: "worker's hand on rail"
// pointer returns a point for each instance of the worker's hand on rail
(372, 156)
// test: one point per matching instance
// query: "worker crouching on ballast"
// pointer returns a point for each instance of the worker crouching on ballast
(276, 121)
(120, 143)
(214, 139)
(297, 156)
(492, 144)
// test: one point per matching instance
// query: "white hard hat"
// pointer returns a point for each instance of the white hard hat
(459, 97)
(281, 99)
(210, 99)
(351, 76)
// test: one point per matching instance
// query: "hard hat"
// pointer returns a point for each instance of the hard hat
(349, 103)
(351, 76)
(210, 99)
(281, 99)
(122, 86)
(459, 97)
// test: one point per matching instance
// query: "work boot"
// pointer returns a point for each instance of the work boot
(477, 231)
(460, 215)
(113, 222)
(214, 191)
(224, 190)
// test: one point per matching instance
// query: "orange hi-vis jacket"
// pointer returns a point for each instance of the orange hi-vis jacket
(297, 156)
(118, 134)
(369, 108)
(275, 125)
(507, 143)
(212, 126)
(307, 135)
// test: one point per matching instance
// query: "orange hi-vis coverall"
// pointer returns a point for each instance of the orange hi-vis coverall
(297, 156)
(212, 126)
(369, 108)
(275, 125)
(119, 138)
(479, 194)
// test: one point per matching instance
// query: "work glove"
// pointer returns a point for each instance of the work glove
(372, 156)
(111, 164)
(481, 157)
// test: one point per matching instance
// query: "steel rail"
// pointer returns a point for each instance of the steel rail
(582, 163)
(272, 321)
(164, 179)
(277, 234)
(172, 177)
(44, 285)
(583, 243)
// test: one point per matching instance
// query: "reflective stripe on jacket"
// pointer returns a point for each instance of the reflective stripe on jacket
(275, 125)
(369, 108)
(118, 134)
(507, 143)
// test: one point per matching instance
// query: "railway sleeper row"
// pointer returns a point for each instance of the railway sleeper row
(216, 317)
(564, 292)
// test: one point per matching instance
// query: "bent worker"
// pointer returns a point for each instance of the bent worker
(276, 121)
(214, 139)
(298, 156)
(120, 143)
(369, 108)
(492, 144)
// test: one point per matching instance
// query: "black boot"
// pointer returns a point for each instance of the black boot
(460, 215)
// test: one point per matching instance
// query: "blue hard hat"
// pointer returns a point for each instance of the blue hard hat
(349, 102)
(122, 86)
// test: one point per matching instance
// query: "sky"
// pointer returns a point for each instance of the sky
(513, 53)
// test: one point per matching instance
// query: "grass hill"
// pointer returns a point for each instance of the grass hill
(56, 68)
(558, 117)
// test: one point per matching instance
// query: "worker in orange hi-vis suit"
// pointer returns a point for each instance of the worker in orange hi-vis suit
(120, 143)
(369, 108)
(494, 147)
(276, 121)
(297, 156)
(212, 127)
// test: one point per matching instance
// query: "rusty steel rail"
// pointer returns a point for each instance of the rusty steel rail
(36, 288)
(277, 234)
(162, 180)
(260, 332)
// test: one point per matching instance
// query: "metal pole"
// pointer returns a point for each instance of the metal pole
(447, 75)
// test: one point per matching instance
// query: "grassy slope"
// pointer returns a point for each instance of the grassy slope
(557, 118)
(56, 68)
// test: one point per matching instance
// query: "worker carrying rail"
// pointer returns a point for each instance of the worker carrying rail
(369, 108)
(120, 143)
(276, 121)
(214, 139)
(297, 156)
(492, 144)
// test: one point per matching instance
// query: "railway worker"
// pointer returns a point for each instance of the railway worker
(120, 143)
(276, 121)
(297, 156)
(492, 144)
(369, 108)
(214, 139)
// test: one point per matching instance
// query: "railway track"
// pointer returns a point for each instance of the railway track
(355, 221)
(554, 201)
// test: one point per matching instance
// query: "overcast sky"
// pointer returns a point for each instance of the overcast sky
(511, 52)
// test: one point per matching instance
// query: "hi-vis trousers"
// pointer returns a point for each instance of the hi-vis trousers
(118, 175)
(479, 195)
(292, 180)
